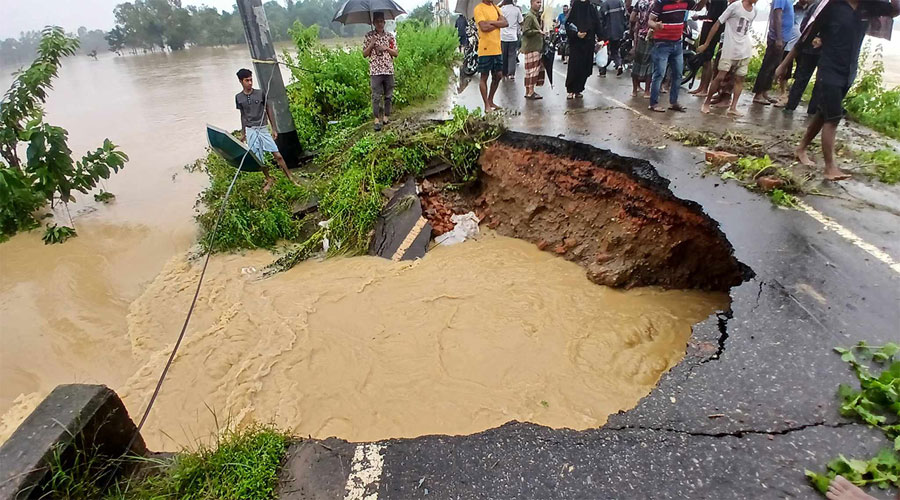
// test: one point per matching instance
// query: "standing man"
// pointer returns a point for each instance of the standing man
(380, 48)
(807, 60)
(667, 18)
(255, 111)
(461, 25)
(714, 11)
(490, 60)
(509, 37)
(561, 24)
(613, 14)
(642, 66)
(781, 24)
(841, 25)
(533, 48)
(736, 51)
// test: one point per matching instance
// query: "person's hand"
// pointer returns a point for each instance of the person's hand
(779, 44)
(781, 71)
(581, 34)
(243, 137)
(817, 43)
(274, 135)
(702, 48)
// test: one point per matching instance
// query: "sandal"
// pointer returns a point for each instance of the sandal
(678, 107)
(658, 109)
(570, 96)
(579, 95)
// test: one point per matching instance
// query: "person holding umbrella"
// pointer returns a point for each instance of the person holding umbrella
(380, 48)
(533, 48)
(490, 59)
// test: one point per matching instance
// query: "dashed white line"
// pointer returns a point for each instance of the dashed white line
(850, 236)
(365, 473)
(823, 219)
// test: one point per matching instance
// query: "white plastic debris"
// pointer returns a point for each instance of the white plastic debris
(324, 225)
(466, 226)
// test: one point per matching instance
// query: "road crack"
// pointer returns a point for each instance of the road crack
(741, 432)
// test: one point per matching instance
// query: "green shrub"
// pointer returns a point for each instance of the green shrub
(883, 164)
(332, 84)
(252, 219)
(869, 103)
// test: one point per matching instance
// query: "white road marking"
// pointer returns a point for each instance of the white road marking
(848, 235)
(823, 219)
(365, 472)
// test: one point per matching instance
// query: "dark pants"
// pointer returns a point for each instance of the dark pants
(771, 60)
(806, 66)
(614, 57)
(382, 91)
(510, 51)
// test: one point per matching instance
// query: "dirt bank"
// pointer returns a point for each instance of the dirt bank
(613, 215)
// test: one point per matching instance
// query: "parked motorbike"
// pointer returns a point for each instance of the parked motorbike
(470, 55)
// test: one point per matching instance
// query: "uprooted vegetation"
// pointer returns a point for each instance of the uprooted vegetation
(876, 403)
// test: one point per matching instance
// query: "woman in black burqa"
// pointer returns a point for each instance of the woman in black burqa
(582, 27)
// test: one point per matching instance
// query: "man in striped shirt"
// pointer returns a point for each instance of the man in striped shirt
(667, 24)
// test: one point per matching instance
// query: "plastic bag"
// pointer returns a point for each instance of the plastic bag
(466, 226)
(602, 57)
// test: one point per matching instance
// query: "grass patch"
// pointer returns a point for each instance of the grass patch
(242, 465)
(869, 102)
(877, 403)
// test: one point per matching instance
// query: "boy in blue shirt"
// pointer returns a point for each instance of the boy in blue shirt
(781, 24)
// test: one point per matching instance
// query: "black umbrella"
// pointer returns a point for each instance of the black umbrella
(547, 59)
(361, 11)
(466, 7)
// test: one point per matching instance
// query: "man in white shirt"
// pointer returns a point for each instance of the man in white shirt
(509, 37)
(737, 50)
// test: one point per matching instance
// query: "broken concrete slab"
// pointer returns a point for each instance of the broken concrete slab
(401, 233)
(73, 416)
(315, 470)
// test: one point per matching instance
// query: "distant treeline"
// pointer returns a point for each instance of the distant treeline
(151, 25)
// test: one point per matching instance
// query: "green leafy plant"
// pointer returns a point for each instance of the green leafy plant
(58, 234)
(883, 164)
(869, 102)
(877, 403)
(783, 199)
(48, 171)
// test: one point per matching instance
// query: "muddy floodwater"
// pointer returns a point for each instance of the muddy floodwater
(468, 338)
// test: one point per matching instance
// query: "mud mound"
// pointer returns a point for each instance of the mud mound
(613, 215)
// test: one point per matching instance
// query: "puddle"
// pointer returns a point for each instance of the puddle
(470, 337)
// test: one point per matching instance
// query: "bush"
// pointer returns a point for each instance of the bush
(332, 84)
(869, 103)
(253, 219)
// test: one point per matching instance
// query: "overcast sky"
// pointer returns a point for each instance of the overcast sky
(24, 15)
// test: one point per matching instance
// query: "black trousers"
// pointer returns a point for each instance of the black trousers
(806, 66)
(771, 60)
(509, 51)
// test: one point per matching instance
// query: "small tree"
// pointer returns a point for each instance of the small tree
(423, 13)
(48, 171)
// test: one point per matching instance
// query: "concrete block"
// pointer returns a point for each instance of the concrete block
(89, 416)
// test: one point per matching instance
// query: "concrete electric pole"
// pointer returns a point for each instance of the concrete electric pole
(262, 48)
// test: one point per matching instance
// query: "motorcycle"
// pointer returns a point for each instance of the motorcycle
(559, 41)
(470, 54)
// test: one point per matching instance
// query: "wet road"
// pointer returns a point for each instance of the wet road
(752, 405)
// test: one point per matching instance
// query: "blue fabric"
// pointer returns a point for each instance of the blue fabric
(787, 19)
(663, 55)
(260, 141)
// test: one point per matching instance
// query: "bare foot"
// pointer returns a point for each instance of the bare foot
(488, 108)
(646, 95)
(803, 157)
(842, 489)
(835, 174)
(268, 184)
(734, 113)
(705, 108)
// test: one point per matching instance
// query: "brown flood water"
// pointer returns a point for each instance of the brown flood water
(466, 339)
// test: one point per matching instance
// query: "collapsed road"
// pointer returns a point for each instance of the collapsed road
(751, 406)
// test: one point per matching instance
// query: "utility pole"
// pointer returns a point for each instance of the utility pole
(262, 48)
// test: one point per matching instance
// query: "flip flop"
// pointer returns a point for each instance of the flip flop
(658, 109)
(762, 103)
(679, 108)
